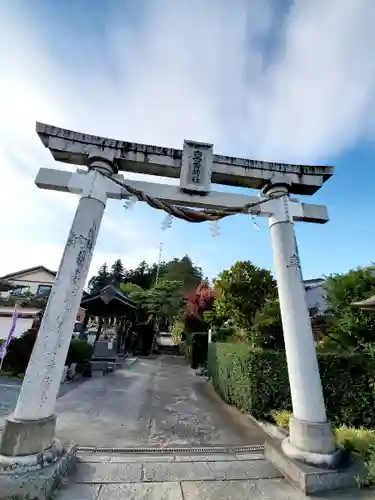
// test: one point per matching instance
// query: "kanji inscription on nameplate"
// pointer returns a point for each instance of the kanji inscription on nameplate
(196, 167)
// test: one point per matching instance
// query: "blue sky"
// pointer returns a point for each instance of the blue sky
(266, 79)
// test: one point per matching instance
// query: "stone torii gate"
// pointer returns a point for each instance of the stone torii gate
(31, 430)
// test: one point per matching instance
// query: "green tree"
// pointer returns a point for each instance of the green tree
(102, 279)
(241, 291)
(117, 272)
(267, 331)
(182, 270)
(142, 275)
(164, 301)
(131, 290)
(350, 327)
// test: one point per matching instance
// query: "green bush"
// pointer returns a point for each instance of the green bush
(225, 332)
(19, 352)
(350, 327)
(20, 349)
(256, 381)
(281, 418)
(267, 331)
(188, 338)
(196, 348)
(79, 352)
(361, 444)
(199, 349)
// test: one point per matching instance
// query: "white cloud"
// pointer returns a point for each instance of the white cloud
(320, 95)
(191, 69)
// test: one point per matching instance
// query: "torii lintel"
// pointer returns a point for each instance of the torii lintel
(74, 147)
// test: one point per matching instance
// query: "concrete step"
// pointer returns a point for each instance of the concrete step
(251, 489)
(271, 489)
(171, 468)
(167, 476)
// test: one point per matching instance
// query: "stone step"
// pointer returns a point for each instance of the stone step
(240, 476)
(273, 489)
(248, 489)
(121, 469)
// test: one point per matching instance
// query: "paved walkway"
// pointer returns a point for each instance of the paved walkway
(9, 391)
(158, 402)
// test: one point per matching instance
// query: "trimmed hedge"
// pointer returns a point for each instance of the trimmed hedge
(257, 382)
(196, 348)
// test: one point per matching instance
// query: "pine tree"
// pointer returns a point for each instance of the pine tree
(101, 280)
(117, 272)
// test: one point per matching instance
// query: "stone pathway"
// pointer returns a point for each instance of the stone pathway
(9, 390)
(158, 402)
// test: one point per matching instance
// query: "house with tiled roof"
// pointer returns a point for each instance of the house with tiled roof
(36, 280)
(30, 289)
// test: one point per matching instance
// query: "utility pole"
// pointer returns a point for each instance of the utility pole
(156, 332)
(159, 262)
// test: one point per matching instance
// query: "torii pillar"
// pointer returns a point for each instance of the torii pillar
(311, 438)
(28, 442)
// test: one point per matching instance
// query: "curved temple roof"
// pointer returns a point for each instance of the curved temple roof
(110, 301)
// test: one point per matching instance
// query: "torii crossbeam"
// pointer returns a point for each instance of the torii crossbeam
(73, 147)
(311, 437)
(73, 182)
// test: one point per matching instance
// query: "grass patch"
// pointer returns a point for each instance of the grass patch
(361, 444)
(281, 418)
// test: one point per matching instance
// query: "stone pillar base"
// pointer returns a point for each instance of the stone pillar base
(312, 443)
(36, 476)
(27, 437)
(309, 478)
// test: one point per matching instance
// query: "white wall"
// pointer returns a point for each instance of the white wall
(316, 297)
(22, 325)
